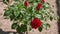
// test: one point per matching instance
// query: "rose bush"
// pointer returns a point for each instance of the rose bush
(32, 13)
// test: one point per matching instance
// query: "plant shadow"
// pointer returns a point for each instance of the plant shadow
(58, 12)
(8, 32)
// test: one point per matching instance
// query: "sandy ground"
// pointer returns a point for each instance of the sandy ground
(5, 24)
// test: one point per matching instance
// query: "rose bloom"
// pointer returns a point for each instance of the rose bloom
(39, 6)
(35, 23)
(43, 1)
(26, 3)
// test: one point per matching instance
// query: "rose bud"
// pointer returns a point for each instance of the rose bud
(43, 1)
(39, 6)
(26, 3)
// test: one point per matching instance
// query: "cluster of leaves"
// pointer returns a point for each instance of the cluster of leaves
(18, 12)
(21, 28)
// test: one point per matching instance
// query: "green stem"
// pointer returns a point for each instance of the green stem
(27, 25)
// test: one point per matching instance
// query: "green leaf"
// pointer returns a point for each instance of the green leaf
(18, 29)
(16, 13)
(42, 18)
(46, 26)
(40, 28)
(51, 18)
(12, 17)
(16, 0)
(14, 26)
(43, 11)
(20, 6)
(25, 22)
(6, 13)
(46, 5)
(23, 28)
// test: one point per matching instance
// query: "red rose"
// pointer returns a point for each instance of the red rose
(43, 1)
(39, 6)
(26, 3)
(35, 23)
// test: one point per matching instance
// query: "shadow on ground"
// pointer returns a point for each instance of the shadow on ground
(58, 12)
(8, 32)
(2, 32)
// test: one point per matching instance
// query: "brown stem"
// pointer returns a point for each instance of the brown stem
(27, 29)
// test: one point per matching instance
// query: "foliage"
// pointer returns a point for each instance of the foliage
(24, 14)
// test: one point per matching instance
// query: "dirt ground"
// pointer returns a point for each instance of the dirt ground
(5, 24)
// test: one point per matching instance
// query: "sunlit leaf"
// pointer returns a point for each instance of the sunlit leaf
(16, 13)
(14, 26)
(46, 26)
